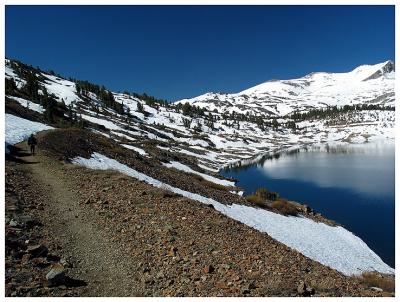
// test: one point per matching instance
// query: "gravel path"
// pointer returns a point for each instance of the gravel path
(98, 260)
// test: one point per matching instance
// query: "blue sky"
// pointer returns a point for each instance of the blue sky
(175, 52)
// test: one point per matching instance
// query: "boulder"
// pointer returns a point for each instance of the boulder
(306, 209)
(304, 290)
(29, 221)
(13, 223)
(25, 258)
(301, 288)
(37, 250)
(40, 262)
(208, 269)
(56, 275)
(377, 289)
(172, 251)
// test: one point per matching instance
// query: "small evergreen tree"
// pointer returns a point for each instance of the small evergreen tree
(140, 107)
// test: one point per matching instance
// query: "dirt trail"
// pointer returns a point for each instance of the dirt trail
(99, 262)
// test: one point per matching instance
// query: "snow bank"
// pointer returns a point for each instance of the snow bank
(240, 193)
(109, 125)
(28, 104)
(138, 150)
(182, 167)
(19, 129)
(332, 246)
(208, 168)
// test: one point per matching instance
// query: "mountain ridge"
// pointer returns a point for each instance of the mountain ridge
(300, 93)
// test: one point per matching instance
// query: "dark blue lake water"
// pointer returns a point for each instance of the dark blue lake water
(351, 184)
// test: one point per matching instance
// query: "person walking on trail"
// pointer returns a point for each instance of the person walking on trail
(32, 142)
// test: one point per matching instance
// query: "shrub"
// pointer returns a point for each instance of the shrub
(261, 193)
(262, 197)
(257, 200)
(285, 207)
(372, 279)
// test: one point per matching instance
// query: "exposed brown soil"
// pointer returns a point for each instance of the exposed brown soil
(117, 236)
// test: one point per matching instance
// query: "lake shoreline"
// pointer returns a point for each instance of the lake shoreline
(284, 184)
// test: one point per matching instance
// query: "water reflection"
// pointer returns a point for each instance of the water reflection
(366, 169)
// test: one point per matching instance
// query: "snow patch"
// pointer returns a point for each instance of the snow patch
(208, 168)
(28, 104)
(61, 88)
(109, 125)
(182, 167)
(138, 150)
(18, 129)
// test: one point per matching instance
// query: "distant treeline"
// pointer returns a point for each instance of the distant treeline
(335, 110)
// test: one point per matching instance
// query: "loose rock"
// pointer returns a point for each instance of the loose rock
(304, 290)
(56, 275)
(208, 269)
(37, 250)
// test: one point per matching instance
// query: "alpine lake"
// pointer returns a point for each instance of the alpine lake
(352, 184)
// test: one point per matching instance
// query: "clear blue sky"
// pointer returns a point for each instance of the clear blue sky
(175, 52)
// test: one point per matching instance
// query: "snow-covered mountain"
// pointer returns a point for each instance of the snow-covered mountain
(213, 137)
(366, 84)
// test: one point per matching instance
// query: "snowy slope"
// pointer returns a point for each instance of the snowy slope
(365, 84)
(19, 129)
(63, 89)
(230, 140)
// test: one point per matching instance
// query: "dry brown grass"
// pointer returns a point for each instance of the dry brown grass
(262, 198)
(372, 279)
(285, 207)
(257, 200)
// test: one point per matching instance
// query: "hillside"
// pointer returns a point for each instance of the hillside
(166, 159)
(214, 138)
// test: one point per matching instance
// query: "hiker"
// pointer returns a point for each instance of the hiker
(32, 142)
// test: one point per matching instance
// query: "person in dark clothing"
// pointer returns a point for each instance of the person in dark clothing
(32, 142)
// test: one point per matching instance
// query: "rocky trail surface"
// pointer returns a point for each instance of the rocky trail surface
(93, 257)
(71, 231)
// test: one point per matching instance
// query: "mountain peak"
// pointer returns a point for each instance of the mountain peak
(381, 69)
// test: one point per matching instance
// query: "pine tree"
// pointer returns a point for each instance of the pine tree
(10, 86)
(140, 107)
(32, 86)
